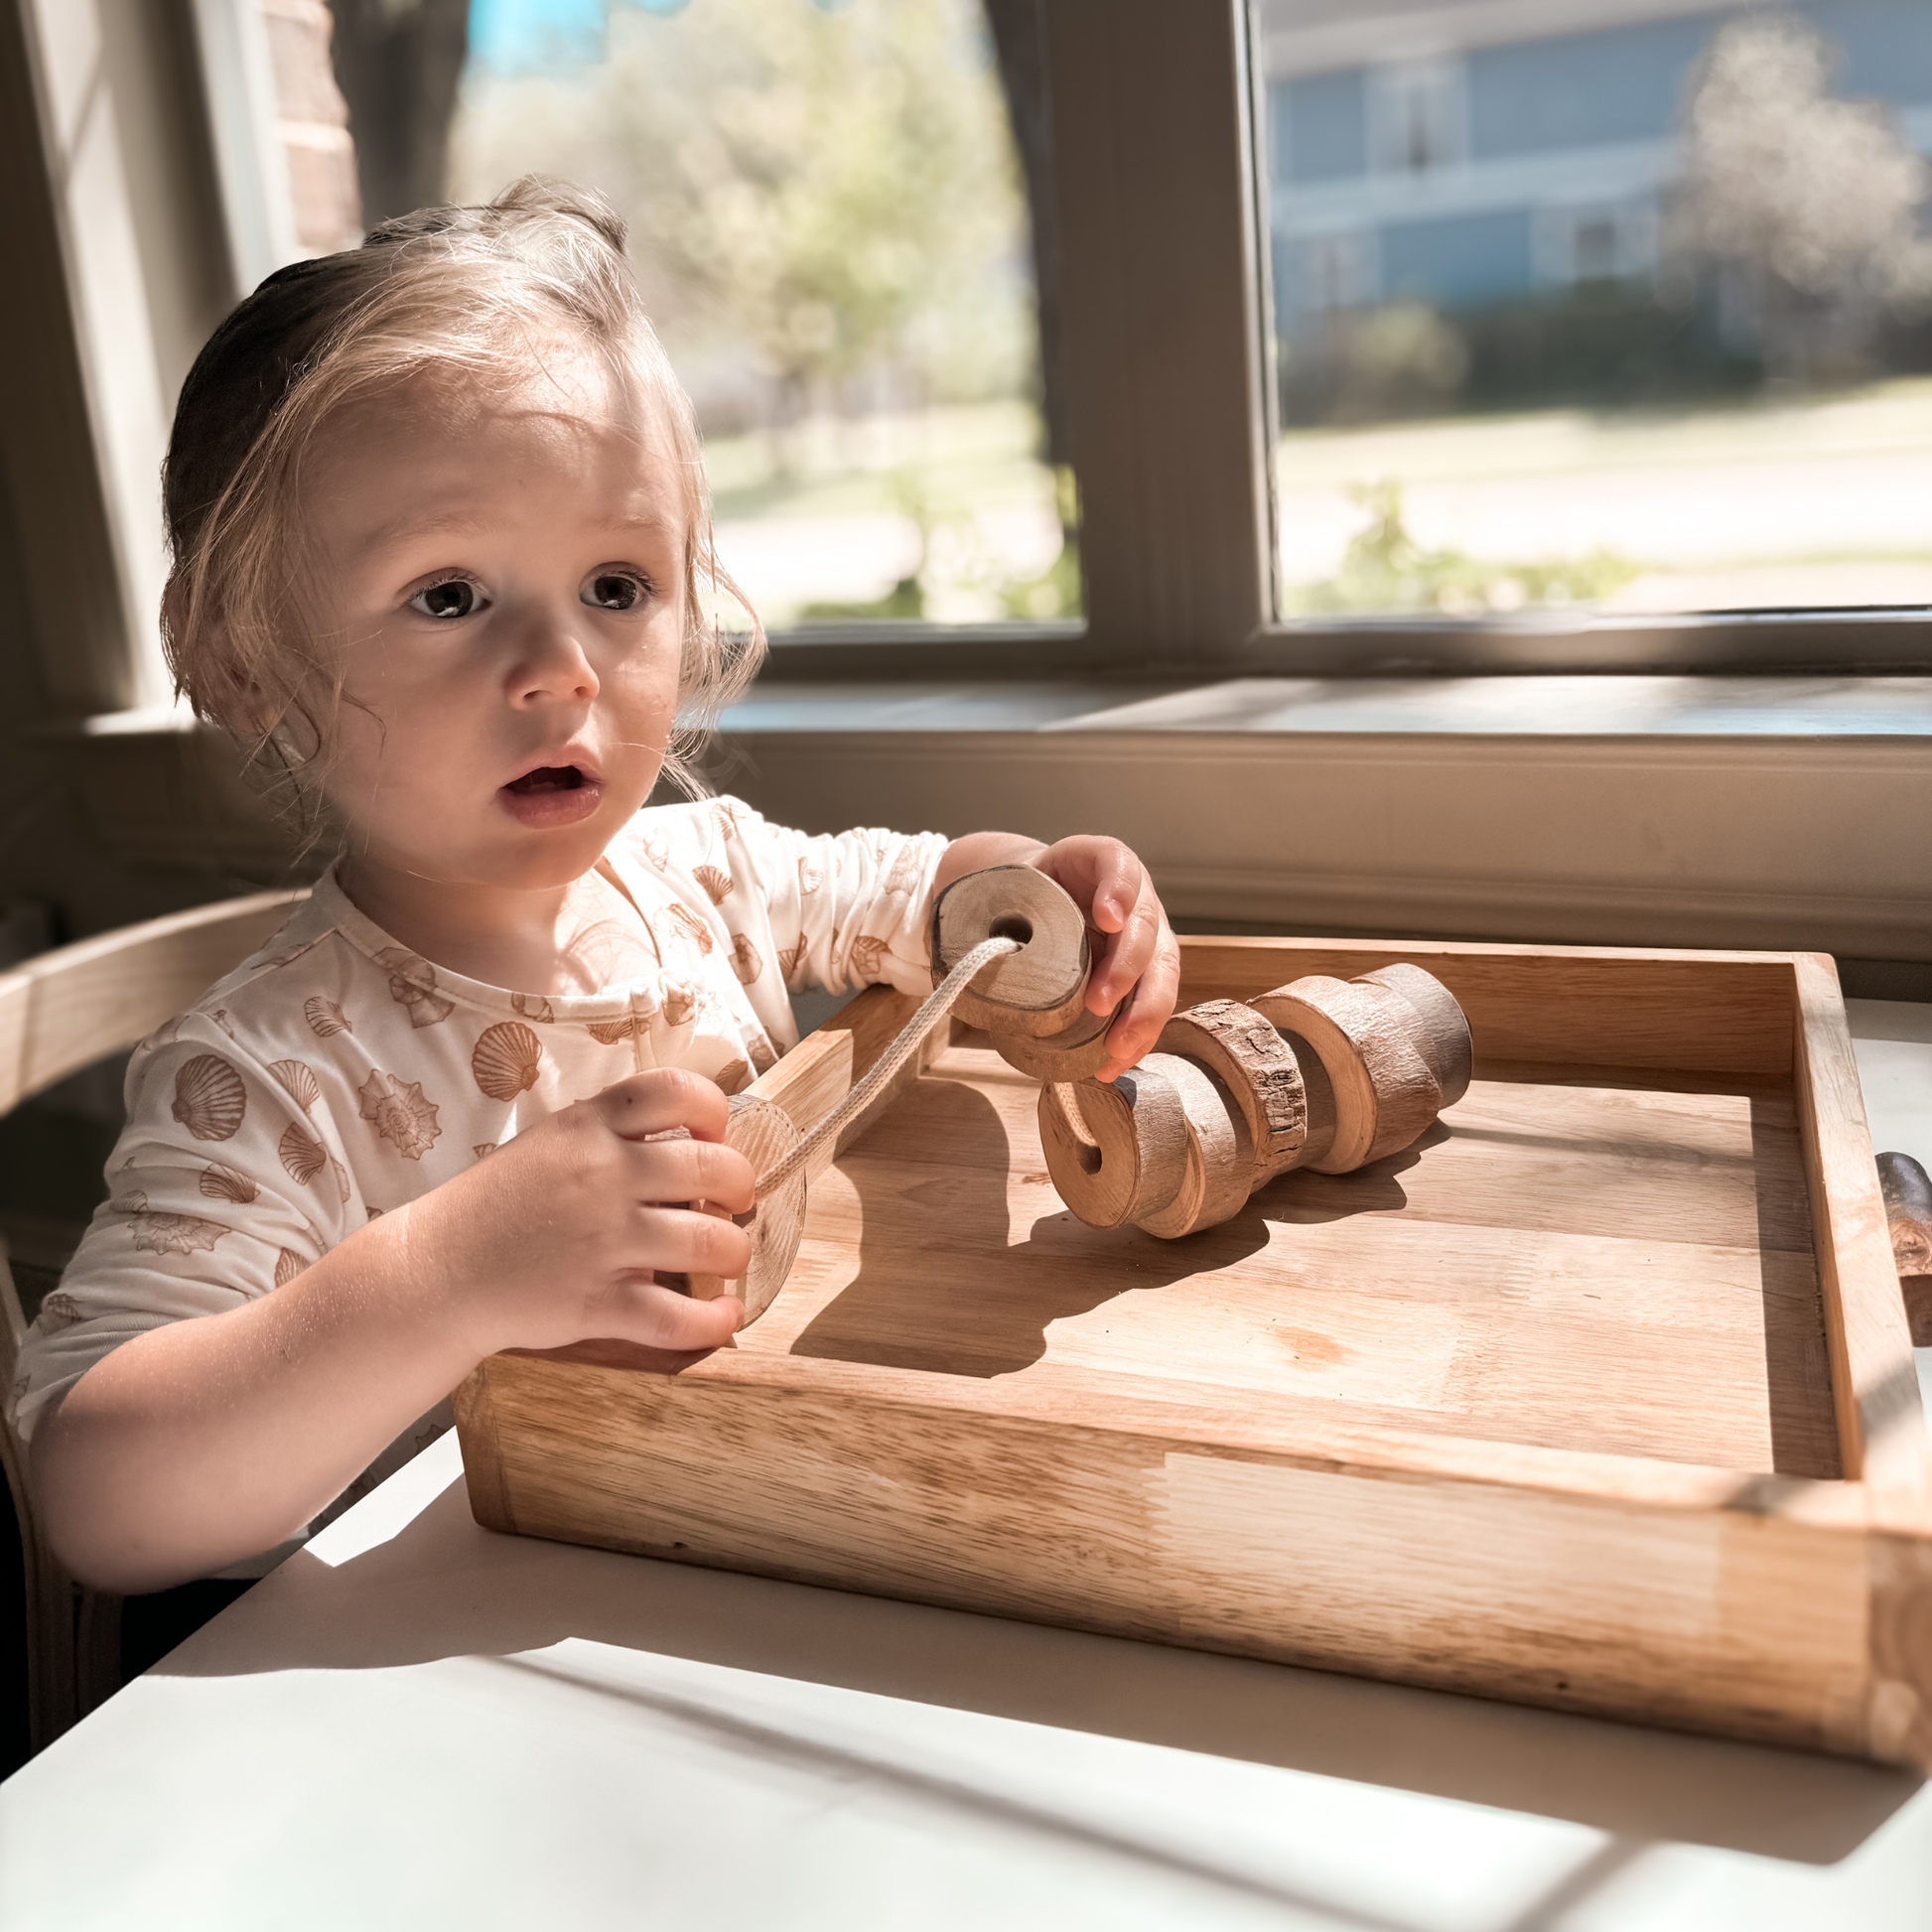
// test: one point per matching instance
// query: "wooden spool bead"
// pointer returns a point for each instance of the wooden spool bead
(1242, 1051)
(1076, 1054)
(1116, 1151)
(763, 1133)
(1384, 1092)
(1218, 1170)
(1908, 1194)
(1444, 1040)
(1039, 991)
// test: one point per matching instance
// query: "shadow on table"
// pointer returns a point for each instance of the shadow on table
(444, 1587)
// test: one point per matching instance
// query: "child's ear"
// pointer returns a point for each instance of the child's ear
(235, 697)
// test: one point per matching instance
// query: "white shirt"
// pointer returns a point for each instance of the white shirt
(335, 1074)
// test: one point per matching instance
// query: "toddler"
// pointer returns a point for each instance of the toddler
(439, 527)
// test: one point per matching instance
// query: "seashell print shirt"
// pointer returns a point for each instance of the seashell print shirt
(335, 1074)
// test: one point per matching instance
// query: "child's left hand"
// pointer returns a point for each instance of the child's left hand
(1136, 961)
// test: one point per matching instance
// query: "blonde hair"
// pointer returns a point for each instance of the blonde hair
(477, 294)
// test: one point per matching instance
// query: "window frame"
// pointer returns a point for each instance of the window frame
(1167, 381)
(1169, 385)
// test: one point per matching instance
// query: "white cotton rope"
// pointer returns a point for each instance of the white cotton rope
(943, 998)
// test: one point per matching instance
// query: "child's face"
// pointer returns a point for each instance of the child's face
(508, 574)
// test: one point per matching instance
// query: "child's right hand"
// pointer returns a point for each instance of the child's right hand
(552, 1239)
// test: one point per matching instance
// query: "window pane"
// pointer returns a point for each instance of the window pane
(1585, 305)
(830, 221)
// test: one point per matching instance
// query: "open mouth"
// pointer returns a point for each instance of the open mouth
(547, 778)
(553, 796)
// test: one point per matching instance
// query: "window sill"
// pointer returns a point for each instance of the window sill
(1588, 705)
(1730, 812)
(1748, 812)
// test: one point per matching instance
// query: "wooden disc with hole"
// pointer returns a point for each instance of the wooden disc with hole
(763, 1133)
(1444, 1039)
(1116, 1151)
(1220, 1166)
(1037, 992)
(1385, 1094)
(1076, 1054)
(1248, 1055)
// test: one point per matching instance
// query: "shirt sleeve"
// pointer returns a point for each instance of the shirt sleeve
(227, 1181)
(844, 910)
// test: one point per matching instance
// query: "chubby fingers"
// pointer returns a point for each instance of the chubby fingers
(1101, 876)
(1130, 951)
(685, 1170)
(1150, 1003)
(659, 1318)
(688, 1241)
(663, 1098)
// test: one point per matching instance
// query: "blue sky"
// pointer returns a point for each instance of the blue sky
(545, 36)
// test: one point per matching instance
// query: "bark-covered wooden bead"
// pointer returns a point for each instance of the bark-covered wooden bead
(1075, 1054)
(1243, 1050)
(1385, 1094)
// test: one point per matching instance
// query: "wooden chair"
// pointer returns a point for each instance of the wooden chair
(58, 1014)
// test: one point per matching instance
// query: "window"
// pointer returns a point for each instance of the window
(1539, 410)
(1417, 117)
(1605, 312)
(830, 219)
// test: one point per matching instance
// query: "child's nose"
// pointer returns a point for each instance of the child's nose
(552, 665)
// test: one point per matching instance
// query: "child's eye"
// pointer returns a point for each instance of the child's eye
(455, 596)
(612, 590)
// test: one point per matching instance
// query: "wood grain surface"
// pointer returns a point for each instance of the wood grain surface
(1588, 1397)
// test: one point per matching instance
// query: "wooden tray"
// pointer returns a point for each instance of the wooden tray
(1600, 1395)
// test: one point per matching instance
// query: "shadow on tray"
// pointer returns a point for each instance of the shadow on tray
(971, 1303)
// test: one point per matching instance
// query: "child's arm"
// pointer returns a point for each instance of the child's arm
(1136, 961)
(207, 1440)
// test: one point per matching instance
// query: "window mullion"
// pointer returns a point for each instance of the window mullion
(1162, 312)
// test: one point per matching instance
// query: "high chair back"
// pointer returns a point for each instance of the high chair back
(59, 1012)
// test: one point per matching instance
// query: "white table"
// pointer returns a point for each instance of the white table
(416, 1724)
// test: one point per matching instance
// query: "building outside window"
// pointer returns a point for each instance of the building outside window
(1615, 308)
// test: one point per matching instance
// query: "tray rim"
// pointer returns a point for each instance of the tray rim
(1875, 1393)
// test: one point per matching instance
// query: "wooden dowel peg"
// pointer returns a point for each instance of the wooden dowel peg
(1041, 991)
(763, 1133)
(1116, 1151)
(1384, 1092)
(1444, 1039)
(1252, 1061)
